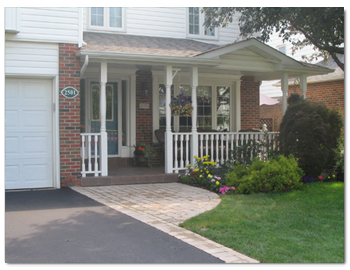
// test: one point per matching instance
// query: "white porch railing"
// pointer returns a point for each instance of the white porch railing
(218, 145)
(90, 144)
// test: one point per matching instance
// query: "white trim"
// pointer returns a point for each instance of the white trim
(12, 19)
(56, 134)
(120, 119)
(132, 111)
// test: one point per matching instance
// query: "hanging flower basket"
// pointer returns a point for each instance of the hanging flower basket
(181, 106)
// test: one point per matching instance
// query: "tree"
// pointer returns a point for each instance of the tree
(321, 27)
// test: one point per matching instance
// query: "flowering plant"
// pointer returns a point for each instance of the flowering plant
(204, 174)
(141, 149)
(181, 106)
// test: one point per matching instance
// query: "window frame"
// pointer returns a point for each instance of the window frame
(201, 34)
(213, 83)
(106, 21)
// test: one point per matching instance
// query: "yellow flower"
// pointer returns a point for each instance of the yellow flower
(217, 182)
(196, 170)
(195, 157)
(201, 176)
(209, 175)
(189, 165)
(207, 171)
(333, 175)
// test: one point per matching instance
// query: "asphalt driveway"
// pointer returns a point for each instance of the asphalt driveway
(63, 226)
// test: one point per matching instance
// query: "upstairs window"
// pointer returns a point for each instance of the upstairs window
(195, 26)
(107, 18)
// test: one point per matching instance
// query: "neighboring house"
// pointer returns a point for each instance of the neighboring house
(327, 89)
(112, 72)
(269, 88)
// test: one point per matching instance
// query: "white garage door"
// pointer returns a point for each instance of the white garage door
(28, 134)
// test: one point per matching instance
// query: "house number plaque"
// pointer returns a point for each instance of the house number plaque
(69, 92)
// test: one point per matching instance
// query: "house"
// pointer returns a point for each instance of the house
(90, 82)
(327, 89)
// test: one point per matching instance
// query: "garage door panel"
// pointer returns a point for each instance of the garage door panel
(12, 173)
(37, 145)
(28, 129)
(37, 170)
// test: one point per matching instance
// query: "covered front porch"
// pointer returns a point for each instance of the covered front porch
(222, 82)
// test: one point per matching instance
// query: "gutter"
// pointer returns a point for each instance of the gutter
(149, 58)
(83, 68)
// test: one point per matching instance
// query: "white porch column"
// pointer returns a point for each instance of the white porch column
(303, 85)
(168, 81)
(104, 140)
(194, 84)
(284, 85)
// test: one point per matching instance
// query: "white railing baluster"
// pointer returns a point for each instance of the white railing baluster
(181, 151)
(175, 152)
(87, 140)
(89, 153)
(96, 164)
(187, 146)
(201, 145)
(83, 171)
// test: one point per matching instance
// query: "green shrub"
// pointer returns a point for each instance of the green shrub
(309, 132)
(280, 174)
(339, 164)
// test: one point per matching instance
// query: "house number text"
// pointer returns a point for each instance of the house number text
(69, 92)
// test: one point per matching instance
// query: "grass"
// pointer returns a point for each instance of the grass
(304, 226)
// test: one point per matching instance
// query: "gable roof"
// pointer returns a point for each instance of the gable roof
(133, 44)
(247, 57)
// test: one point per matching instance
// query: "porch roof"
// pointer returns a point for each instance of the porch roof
(247, 57)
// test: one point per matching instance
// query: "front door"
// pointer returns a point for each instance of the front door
(113, 117)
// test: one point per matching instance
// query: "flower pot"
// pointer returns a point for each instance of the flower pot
(140, 160)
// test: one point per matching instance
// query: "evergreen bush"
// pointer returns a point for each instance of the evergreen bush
(309, 131)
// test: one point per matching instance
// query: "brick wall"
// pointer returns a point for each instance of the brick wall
(144, 119)
(330, 93)
(69, 116)
(250, 101)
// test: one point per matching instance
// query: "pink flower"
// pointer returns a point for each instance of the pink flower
(212, 180)
(219, 178)
(233, 188)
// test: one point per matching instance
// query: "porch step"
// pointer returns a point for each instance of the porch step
(130, 176)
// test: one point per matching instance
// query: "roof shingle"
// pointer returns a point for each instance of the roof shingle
(120, 43)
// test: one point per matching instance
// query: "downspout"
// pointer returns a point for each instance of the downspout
(83, 68)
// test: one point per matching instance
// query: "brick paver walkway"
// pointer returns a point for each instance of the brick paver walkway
(165, 206)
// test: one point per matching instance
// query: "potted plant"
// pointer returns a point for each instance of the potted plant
(143, 153)
(181, 106)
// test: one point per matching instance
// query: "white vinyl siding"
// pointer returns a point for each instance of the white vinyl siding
(58, 25)
(166, 22)
(31, 58)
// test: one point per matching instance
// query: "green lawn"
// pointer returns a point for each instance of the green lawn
(304, 226)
